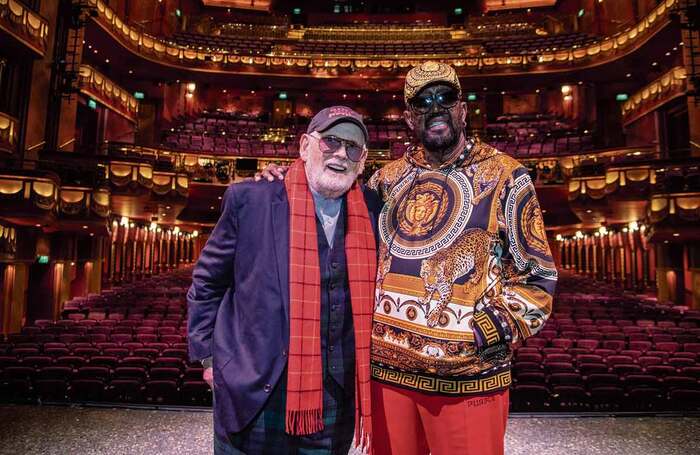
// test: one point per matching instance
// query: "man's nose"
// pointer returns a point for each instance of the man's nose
(341, 152)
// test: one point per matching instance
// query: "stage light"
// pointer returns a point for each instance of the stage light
(195, 234)
(178, 13)
(458, 11)
(139, 95)
(92, 104)
(296, 11)
(124, 221)
(191, 87)
(603, 230)
(559, 237)
(176, 230)
(565, 89)
(42, 259)
(282, 95)
(581, 12)
(621, 97)
(153, 226)
(471, 97)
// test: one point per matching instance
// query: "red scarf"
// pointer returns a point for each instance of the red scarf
(305, 384)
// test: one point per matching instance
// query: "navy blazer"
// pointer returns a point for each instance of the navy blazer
(238, 303)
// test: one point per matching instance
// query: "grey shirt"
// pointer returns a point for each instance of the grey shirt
(327, 211)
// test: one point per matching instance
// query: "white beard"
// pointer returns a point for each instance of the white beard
(329, 184)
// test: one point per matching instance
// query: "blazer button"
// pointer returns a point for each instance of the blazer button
(267, 388)
(284, 352)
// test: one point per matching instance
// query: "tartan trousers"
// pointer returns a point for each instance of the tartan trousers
(266, 435)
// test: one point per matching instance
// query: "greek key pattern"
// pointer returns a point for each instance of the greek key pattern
(443, 386)
(487, 327)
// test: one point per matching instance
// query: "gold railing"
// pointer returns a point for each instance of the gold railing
(25, 25)
(164, 52)
(98, 86)
(670, 85)
(84, 202)
(41, 190)
(8, 133)
(684, 205)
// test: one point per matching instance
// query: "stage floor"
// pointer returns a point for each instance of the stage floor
(88, 430)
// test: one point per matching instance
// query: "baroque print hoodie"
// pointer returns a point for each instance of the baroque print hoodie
(465, 271)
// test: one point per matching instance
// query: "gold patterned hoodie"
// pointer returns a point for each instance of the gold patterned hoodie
(464, 272)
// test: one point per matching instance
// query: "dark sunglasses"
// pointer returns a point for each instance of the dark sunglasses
(424, 103)
(333, 144)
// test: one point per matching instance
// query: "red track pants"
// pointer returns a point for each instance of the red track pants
(407, 422)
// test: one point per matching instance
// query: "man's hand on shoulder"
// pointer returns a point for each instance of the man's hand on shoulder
(271, 172)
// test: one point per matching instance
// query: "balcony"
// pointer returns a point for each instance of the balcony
(96, 85)
(284, 59)
(28, 197)
(669, 86)
(24, 25)
(8, 133)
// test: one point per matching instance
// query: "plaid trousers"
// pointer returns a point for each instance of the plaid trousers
(266, 435)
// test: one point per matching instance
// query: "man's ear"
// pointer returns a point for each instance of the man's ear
(408, 117)
(304, 143)
(463, 114)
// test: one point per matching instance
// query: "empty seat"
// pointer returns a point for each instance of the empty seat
(161, 392)
(86, 390)
(196, 393)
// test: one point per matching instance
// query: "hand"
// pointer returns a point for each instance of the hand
(271, 172)
(208, 377)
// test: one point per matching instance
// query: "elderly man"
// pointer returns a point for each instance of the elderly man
(282, 297)
(464, 273)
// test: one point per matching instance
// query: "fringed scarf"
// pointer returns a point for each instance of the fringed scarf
(304, 414)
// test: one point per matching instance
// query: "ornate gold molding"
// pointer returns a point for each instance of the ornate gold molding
(321, 65)
(667, 87)
(98, 86)
(28, 27)
(8, 133)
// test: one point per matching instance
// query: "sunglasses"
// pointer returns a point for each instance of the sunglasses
(333, 144)
(424, 103)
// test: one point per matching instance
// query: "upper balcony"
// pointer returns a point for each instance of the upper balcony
(23, 26)
(289, 57)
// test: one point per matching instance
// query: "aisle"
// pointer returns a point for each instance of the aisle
(87, 431)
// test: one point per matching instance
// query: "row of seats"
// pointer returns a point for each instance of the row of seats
(605, 351)
(534, 44)
(600, 350)
(553, 146)
(381, 48)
